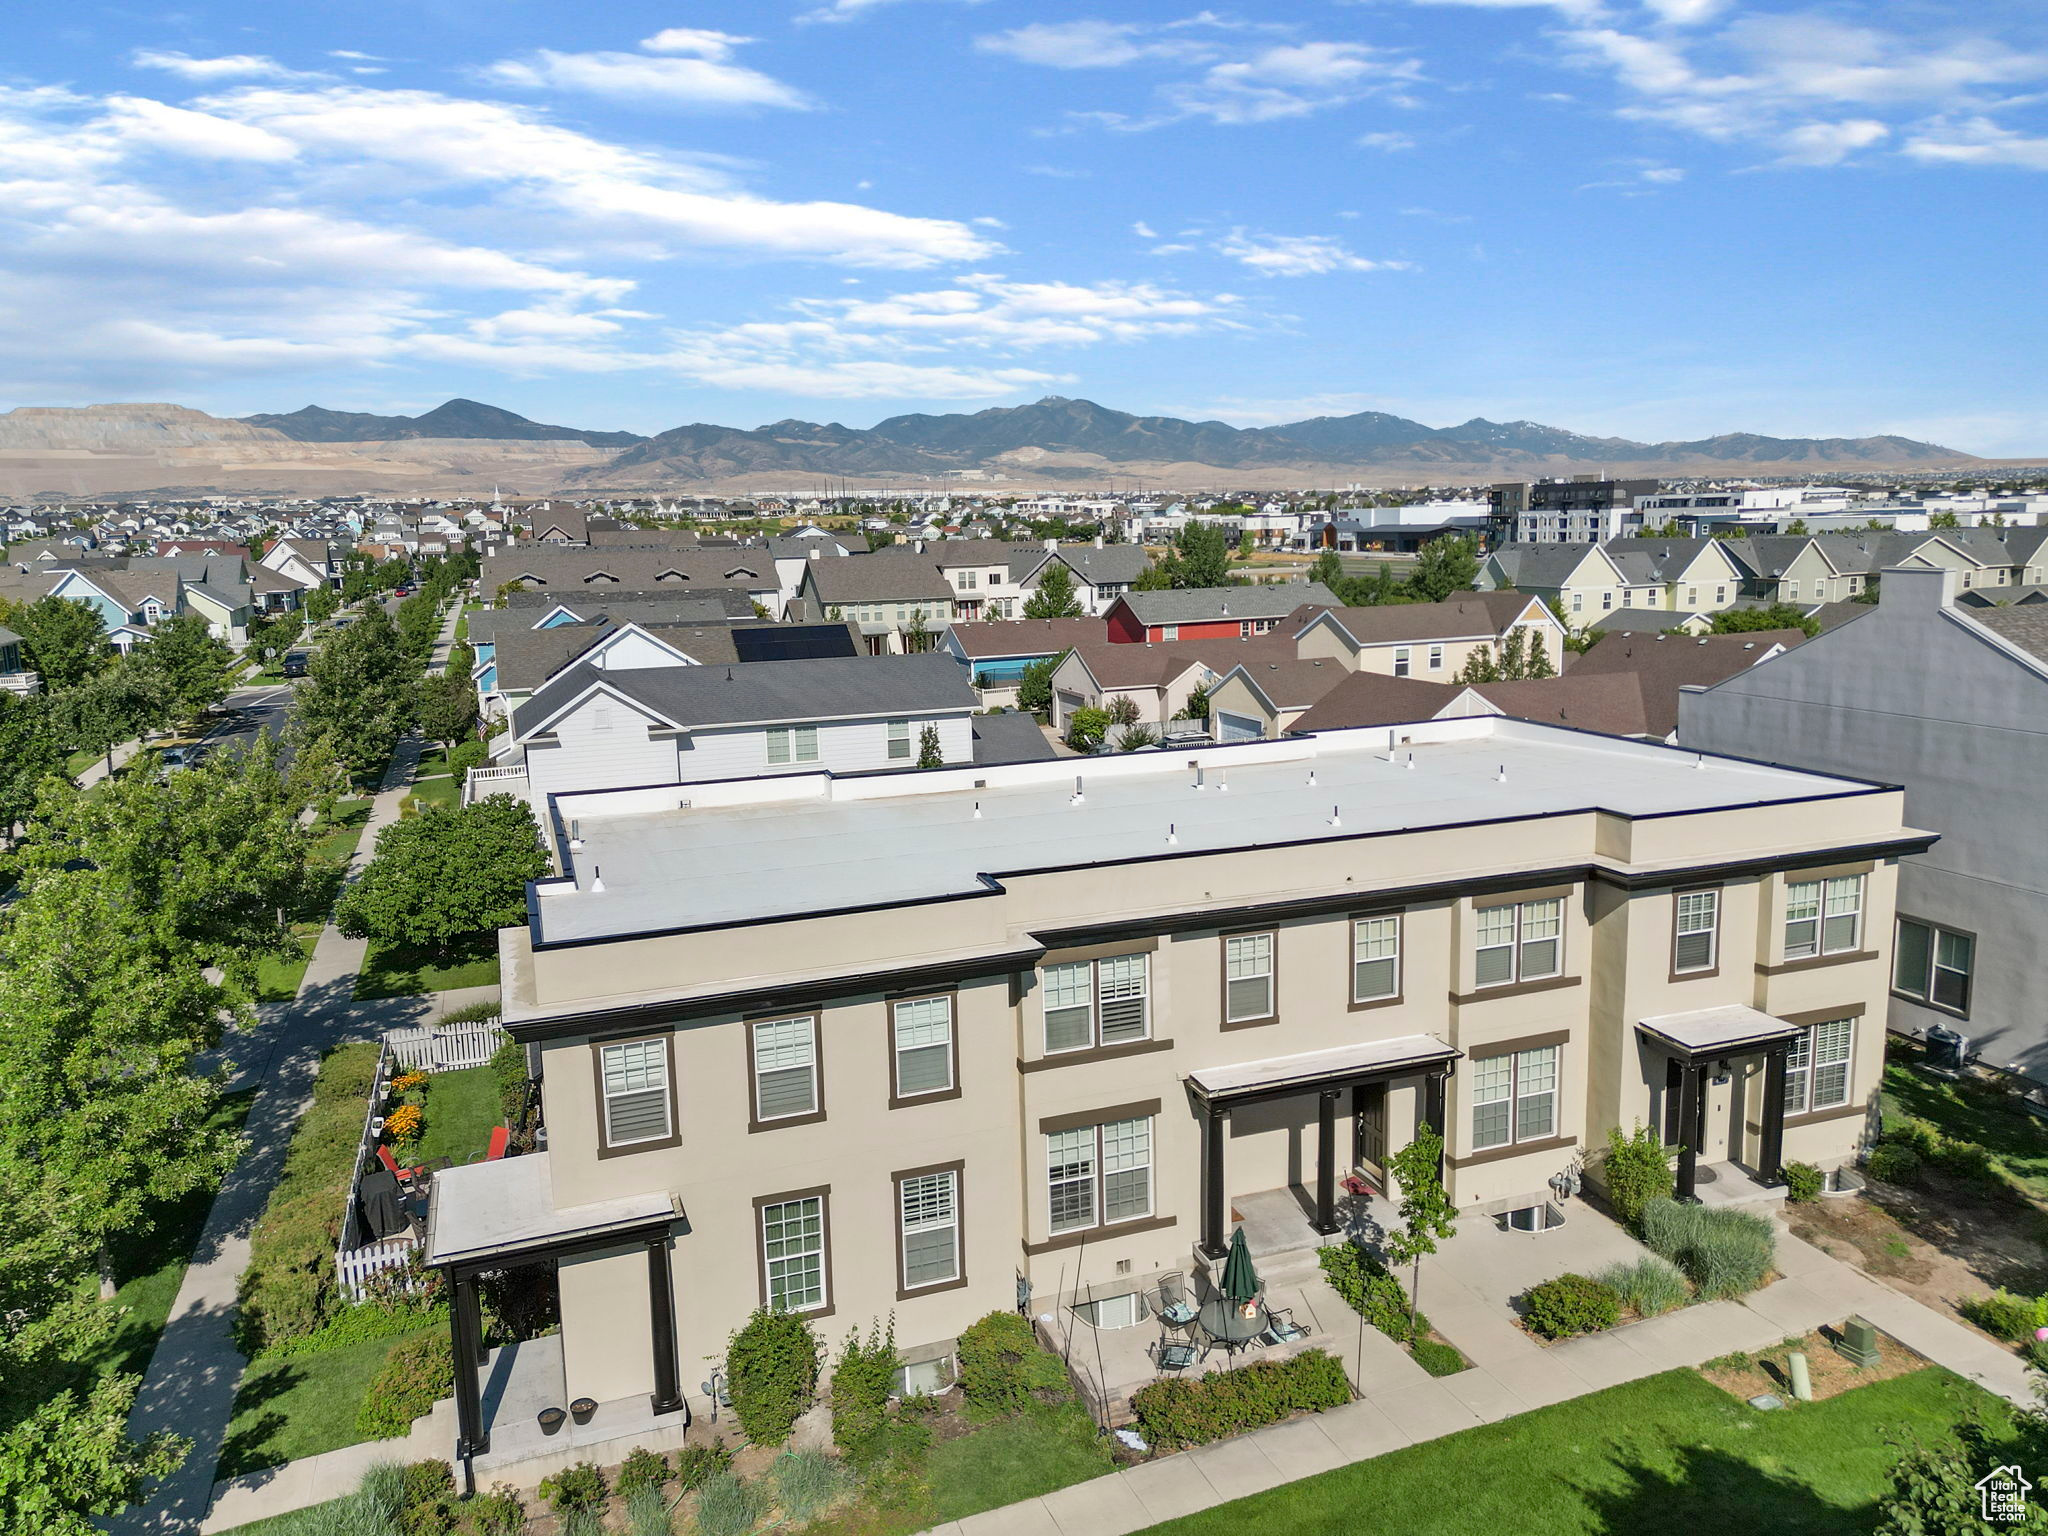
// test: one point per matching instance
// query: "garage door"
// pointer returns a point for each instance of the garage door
(1231, 727)
(1068, 703)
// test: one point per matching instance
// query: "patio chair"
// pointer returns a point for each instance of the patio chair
(1175, 1354)
(411, 1180)
(1175, 1309)
(1281, 1327)
(501, 1138)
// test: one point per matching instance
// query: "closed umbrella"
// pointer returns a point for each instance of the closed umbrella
(1240, 1280)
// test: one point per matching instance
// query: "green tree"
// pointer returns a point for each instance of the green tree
(71, 1457)
(1327, 568)
(1034, 684)
(1085, 728)
(358, 693)
(918, 637)
(193, 668)
(929, 753)
(1444, 566)
(111, 707)
(1427, 1215)
(1540, 665)
(321, 604)
(1943, 520)
(446, 875)
(1246, 545)
(1797, 528)
(1742, 621)
(1480, 667)
(1201, 556)
(419, 622)
(1197, 706)
(1934, 1492)
(1055, 597)
(31, 749)
(63, 638)
(447, 707)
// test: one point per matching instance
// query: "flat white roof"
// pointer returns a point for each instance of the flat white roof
(481, 1209)
(1728, 1027)
(1308, 1067)
(747, 850)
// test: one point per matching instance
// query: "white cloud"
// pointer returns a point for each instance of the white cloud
(849, 10)
(1686, 13)
(238, 66)
(683, 67)
(1390, 142)
(1144, 231)
(1085, 44)
(1978, 141)
(1292, 81)
(1297, 255)
(175, 130)
(1830, 143)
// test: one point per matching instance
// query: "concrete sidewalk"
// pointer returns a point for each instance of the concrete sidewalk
(1511, 1374)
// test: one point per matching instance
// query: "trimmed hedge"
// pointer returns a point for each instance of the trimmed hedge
(288, 1290)
(1178, 1412)
(417, 1374)
(1572, 1304)
(1372, 1291)
(1002, 1369)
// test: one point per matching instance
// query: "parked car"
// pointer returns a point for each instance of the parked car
(295, 663)
(175, 760)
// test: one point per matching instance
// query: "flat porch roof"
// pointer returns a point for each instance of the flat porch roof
(485, 1211)
(1716, 1031)
(1314, 1069)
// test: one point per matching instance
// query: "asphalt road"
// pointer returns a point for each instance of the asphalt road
(257, 711)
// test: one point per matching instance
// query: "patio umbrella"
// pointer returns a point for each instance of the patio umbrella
(1240, 1280)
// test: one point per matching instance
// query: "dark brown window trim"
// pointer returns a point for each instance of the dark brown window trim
(1272, 1015)
(674, 1137)
(1145, 1109)
(1092, 1054)
(1533, 893)
(1352, 1003)
(897, 1100)
(1720, 903)
(823, 1194)
(1514, 1149)
(1519, 1043)
(784, 1122)
(1817, 962)
(1100, 1234)
(1821, 1116)
(959, 1171)
(1378, 1002)
(1935, 931)
(1515, 989)
(1828, 872)
(1100, 951)
(1812, 1016)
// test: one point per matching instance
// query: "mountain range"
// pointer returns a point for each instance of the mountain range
(457, 418)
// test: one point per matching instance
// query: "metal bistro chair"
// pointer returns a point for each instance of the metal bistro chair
(1281, 1328)
(1175, 1310)
(1175, 1354)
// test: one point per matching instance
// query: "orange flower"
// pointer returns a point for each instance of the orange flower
(404, 1124)
(405, 1082)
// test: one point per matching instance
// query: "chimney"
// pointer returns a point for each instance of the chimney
(815, 552)
(1919, 587)
(1051, 545)
(1098, 541)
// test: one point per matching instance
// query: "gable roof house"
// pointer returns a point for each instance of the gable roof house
(1211, 613)
(888, 596)
(996, 654)
(309, 562)
(15, 676)
(1102, 572)
(1432, 640)
(521, 661)
(1157, 678)
(580, 570)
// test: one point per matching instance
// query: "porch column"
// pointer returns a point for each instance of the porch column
(1433, 1096)
(1688, 1082)
(1771, 1145)
(1212, 1183)
(465, 1321)
(661, 1305)
(1326, 1161)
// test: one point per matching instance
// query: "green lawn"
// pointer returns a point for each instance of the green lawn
(277, 980)
(462, 1107)
(1969, 1110)
(433, 763)
(442, 792)
(342, 830)
(295, 1407)
(1671, 1452)
(406, 970)
(150, 1268)
(1018, 1458)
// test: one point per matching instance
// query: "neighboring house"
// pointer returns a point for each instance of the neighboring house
(15, 676)
(1581, 580)
(1102, 572)
(1157, 679)
(309, 562)
(1261, 700)
(1945, 700)
(568, 570)
(892, 597)
(1211, 613)
(522, 661)
(1428, 640)
(907, 1044)
(995, 655)
(793, 554)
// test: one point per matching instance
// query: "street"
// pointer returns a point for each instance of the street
(259, 710)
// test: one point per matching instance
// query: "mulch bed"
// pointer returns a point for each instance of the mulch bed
(1748, 1375)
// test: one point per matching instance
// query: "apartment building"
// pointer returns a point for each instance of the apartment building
(931, 1045)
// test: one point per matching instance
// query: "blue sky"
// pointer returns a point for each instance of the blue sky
(1651, 218)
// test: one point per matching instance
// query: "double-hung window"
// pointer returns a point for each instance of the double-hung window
(1817, 1067)
(923, 1045)
(1523, 941)
(792, 744)
(1096, 1002)
(1375, 958)
(899, 741)
(928, 1215)
(1823, 917)
(636, 1105)
(1436, 658)
(1695, 940)
(1247, 977)
(793, 1253)
(785, 1068)
(1514, 1098)
(1402, 661)
(1099, 1174)
(1934, 964)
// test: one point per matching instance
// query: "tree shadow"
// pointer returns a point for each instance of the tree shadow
(1711, 1490)
(248, 1447)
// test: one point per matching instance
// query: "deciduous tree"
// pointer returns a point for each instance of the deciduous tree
(31, 749)
(358, 692)
(63, 638)
(1444, 566)
(193, 669)
(1427, 1215)
(446, 875)
(1054, 598)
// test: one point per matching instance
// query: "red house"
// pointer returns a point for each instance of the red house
(1211, 613)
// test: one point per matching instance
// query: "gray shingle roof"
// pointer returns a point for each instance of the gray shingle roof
(1195, 605)
(1112, 563)
(879, 578)
(1009, 738)
(636, 570)
(526, 658)
(2025, 626)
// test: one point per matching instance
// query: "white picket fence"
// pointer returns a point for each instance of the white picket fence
(445, 1047)
(355, 1268)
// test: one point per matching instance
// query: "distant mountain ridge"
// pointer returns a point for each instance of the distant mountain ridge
(456, 418)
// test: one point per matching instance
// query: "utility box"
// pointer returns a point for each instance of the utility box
(1857, 1342)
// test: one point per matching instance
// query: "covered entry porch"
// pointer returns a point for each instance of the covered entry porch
(1346, 1075)
(1699, 1048)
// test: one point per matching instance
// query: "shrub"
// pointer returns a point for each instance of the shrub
(1371, 1290)
(427, 1494)
(501, 1512)
(1085, 728)
(697, 1465)
(1723, 1252)
(1648, 1287)
(1893, 1162)
(1968, 1160)
(508, 1066)
(288, 1290)
(1002, 1369)
(1637, 1171)
(861, 1382)
(1803, 1183)
(1437, 1357)
(727, 1507)
(1572, 1304)
(581, 1522)
(805, 1482)
(1179, 1412)
(1922, 1136)
(402, 1313)
(2006, 1316)
(472, 753)
(579, 1487)
(416, 1374)
(642, 1468)
(647, 1512)
(771, 1365)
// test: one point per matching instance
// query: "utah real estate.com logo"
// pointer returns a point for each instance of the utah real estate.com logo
(2004, 1492)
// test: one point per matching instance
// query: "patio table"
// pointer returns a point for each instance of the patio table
(1225, 1323)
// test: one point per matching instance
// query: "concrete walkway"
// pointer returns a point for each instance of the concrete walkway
(189, 1388)
(1511, 1373)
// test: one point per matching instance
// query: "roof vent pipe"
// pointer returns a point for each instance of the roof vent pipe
(1170, 834)
(977, 810)
(1201, 776)
(1311, 778)
(1502, 776)
(1223, 781)
(596, 880)
(1411, 761)
(1335, 819)
(1079, 795)
(576, 836)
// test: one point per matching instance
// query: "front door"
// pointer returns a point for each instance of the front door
(1369, 1132)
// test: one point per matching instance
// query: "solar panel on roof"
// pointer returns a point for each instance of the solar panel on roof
(792, 642)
